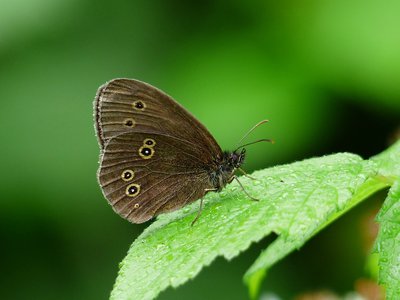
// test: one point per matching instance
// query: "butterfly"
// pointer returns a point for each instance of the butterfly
(156, 157)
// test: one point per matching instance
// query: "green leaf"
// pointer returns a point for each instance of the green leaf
(387, 244)
(297, 201)
(389, 162)
(284, 245)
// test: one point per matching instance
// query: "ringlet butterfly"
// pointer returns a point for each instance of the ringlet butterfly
(155, 156)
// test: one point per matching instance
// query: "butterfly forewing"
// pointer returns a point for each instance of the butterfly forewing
(144, 174)
(124, 105)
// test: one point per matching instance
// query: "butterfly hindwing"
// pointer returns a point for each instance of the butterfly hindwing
(145, 174)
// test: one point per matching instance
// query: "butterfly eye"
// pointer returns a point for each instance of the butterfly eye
(146, 152)
(132, 190)
(129, 123)
(149, 142)
(139, 105)
(127, 175)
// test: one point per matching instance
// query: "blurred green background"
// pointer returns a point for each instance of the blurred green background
(326, 74)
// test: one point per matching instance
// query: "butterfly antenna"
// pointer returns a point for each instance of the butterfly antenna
(254, 127)
(255, 142)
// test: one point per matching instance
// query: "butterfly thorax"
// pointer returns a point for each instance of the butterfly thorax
(226, 166)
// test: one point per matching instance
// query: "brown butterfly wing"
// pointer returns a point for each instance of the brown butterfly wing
(172, 174)
(126, 105)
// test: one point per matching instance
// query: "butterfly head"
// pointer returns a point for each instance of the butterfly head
(236, 158)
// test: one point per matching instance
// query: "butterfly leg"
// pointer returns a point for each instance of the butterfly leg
(201, 205)
(245, 174)
(248, 195)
